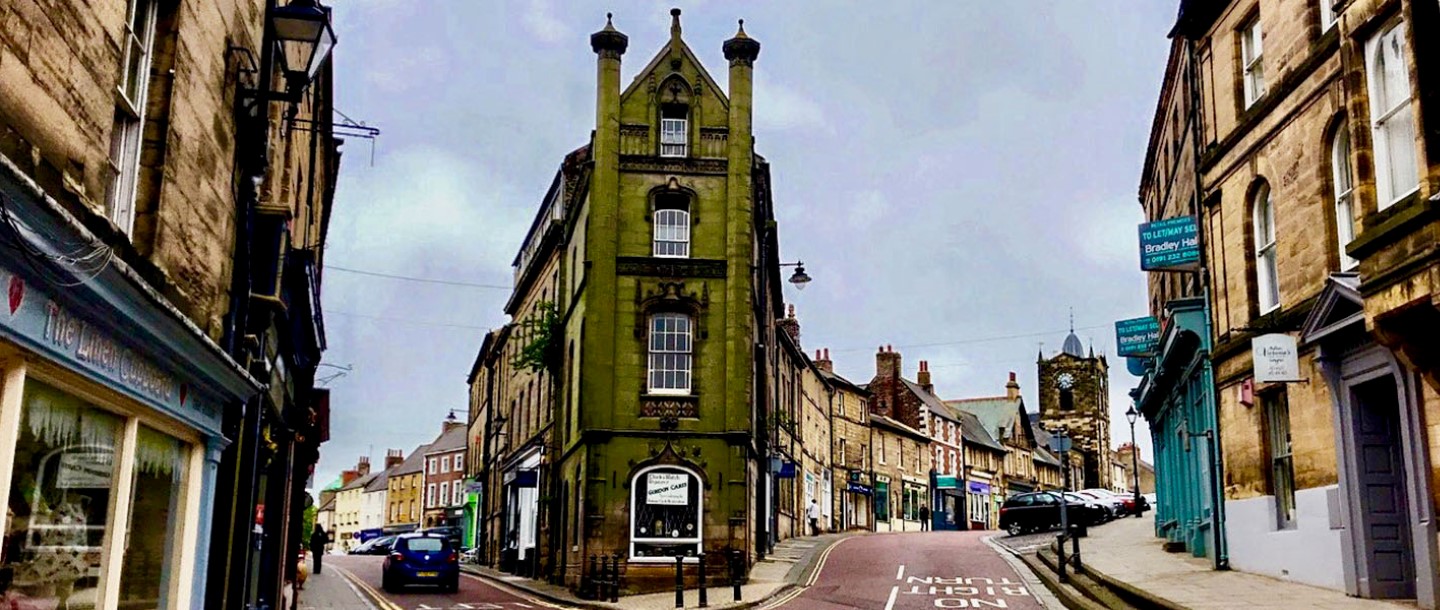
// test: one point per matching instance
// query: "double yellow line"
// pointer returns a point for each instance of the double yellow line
(809, 582)
(375, 596)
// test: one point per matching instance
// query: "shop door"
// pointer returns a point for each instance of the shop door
(1388, 556)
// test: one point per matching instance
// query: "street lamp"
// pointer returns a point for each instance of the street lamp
(799, 278)
(303, 30)
(1132, 415)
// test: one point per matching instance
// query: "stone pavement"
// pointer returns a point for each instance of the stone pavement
(330, 590)
(781, 571)
(1126, 553)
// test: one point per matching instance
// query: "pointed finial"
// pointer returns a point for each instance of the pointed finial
(1072, 319)
(741, 48)
(675, 23)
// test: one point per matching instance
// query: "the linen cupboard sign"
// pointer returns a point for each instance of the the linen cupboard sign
(1172, 244)
(667, 489)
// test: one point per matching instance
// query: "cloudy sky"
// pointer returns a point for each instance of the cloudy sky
(956, 176)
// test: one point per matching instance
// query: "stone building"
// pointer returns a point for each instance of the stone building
(626, 388)
(901, 461)
(1005, 419)
(915, 404)
(802, 436)
(1123, 457)
(167, 195)
(1074, 395)
(1305, 124)
(404, 496)
(851, 437)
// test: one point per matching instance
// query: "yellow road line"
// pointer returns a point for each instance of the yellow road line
(375, 596)
(515, 591)
(809, 582)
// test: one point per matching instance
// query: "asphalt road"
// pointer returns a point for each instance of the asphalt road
(913, 571)
(474, 593)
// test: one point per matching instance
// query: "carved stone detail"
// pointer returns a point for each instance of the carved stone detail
(669, 409)
(671, 267)
(672, 165)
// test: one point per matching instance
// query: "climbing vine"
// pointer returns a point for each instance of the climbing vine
(542, 332)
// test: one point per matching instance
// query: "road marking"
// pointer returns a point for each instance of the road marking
(512, 591)
(900, 573)
(890, 603)
(385, 604)
(1038, 590)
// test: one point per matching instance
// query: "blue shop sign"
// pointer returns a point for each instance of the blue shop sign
(979, 488)
(1172, 244)
(858, 488)
(1137, 336)
(787, 470)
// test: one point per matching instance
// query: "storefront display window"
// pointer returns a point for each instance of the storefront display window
(154, 506)
(58, 515)
(665, 513)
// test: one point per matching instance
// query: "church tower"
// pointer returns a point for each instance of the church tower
(1075, 395)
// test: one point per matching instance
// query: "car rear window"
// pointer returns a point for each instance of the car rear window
(425, 544)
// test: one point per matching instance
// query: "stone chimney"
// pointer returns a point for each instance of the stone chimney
(923, 377)
(393, 458)
(362, 467)
(823, 362)
(1012, 388)
(887, 363)
(790, 325)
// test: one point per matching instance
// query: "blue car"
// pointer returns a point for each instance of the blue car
(421, 559)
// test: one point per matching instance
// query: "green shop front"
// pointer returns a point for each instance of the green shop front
(110, 411)
(1176, 396)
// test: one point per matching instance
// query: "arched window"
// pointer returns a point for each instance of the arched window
(1267, 281)
(1392, 119)
(1344, 194)
(1067, 399)
(671, 347)
(665, 508)
(672, 233)
(674, 130)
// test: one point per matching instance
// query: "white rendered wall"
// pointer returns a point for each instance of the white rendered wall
(1309, 553)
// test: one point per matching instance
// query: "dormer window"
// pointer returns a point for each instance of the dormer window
(674, 131)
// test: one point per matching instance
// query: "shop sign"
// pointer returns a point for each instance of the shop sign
(1172, 244)
(858, 488)
(946, 481)
(1277, 358)
(1137, 336)
(33, 315)
(979, 488)
(667, 489)
(522, 478)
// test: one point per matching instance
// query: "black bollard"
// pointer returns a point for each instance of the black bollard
(1060, 557)
(679, 580)
(704, 603)
(615, 578)
(736, 560)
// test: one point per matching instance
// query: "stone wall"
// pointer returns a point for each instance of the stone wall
(1088, 421)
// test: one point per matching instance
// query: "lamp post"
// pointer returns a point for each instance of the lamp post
(1132, 415)
(799, 278)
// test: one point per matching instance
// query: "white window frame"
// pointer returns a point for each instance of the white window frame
(459, 463)
(1343, 182)
(1327, 15)
(132, 93)
(1252, 61)
(1267, 277)
(699, 520)
(1386, 114)
(661, 360)
(674, 137)
(434, 466)
(670, 235)
(430, 495)
(444, 498)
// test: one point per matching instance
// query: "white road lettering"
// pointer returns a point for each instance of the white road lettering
(900, 574)
(890, 603)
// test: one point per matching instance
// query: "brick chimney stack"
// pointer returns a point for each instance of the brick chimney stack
(1012, 388)
(393, 458)
(923, 377)
(791, 325)
(823, 362)
(362, 466)
(887, 363)
(346, 476)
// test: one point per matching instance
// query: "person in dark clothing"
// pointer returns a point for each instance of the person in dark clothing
(318, 539)
(924, 518)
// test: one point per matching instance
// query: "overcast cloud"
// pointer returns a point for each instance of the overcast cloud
(948, 171)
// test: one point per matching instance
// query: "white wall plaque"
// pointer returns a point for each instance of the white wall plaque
(1277, 358)
(667, 488)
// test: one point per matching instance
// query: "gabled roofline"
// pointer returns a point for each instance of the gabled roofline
(655, 63)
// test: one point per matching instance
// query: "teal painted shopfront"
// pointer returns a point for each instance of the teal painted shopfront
(1176, 396)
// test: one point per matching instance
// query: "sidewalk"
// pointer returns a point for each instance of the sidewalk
(331, 591)
(781, 571)
(1125, 554)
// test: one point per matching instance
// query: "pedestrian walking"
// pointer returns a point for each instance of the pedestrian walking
(318, 539)
(924, 518)
(812, 513)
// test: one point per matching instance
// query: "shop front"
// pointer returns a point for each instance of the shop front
(948, 503)
(522, 508)
(110, 411)
(978, 503)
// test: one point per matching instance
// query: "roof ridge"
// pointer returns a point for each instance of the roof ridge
(977, 399)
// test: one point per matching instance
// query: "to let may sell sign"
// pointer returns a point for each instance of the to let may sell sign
(668, 489)
(1137, 336)
(1172, 244)
(1277, 359)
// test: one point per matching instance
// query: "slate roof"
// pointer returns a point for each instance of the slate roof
(328, 505)
(412, 464)
(380, 481)
(886, 422)
(998, 414)
(451, 440)
(841, 380)
(971, 430)
(360, 481)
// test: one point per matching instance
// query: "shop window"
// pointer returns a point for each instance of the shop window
(1282, 467)
(665, 513)
(1392, 120)
(882, 501)
(159, 476)
(60, 498)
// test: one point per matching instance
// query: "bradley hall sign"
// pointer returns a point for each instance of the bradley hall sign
(1172, 244)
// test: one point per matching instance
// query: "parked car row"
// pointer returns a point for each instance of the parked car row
(1040, 511)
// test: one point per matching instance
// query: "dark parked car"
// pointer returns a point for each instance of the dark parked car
(1039, 511)
(448, 531)
(374, 546)
(421, 559)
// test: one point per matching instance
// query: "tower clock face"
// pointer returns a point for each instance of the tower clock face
(1065, 381)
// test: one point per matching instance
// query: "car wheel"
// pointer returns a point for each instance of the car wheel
(1015, 529)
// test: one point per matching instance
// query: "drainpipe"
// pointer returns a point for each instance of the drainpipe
(1221, 560)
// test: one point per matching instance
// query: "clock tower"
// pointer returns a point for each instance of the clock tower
(1075, 395)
